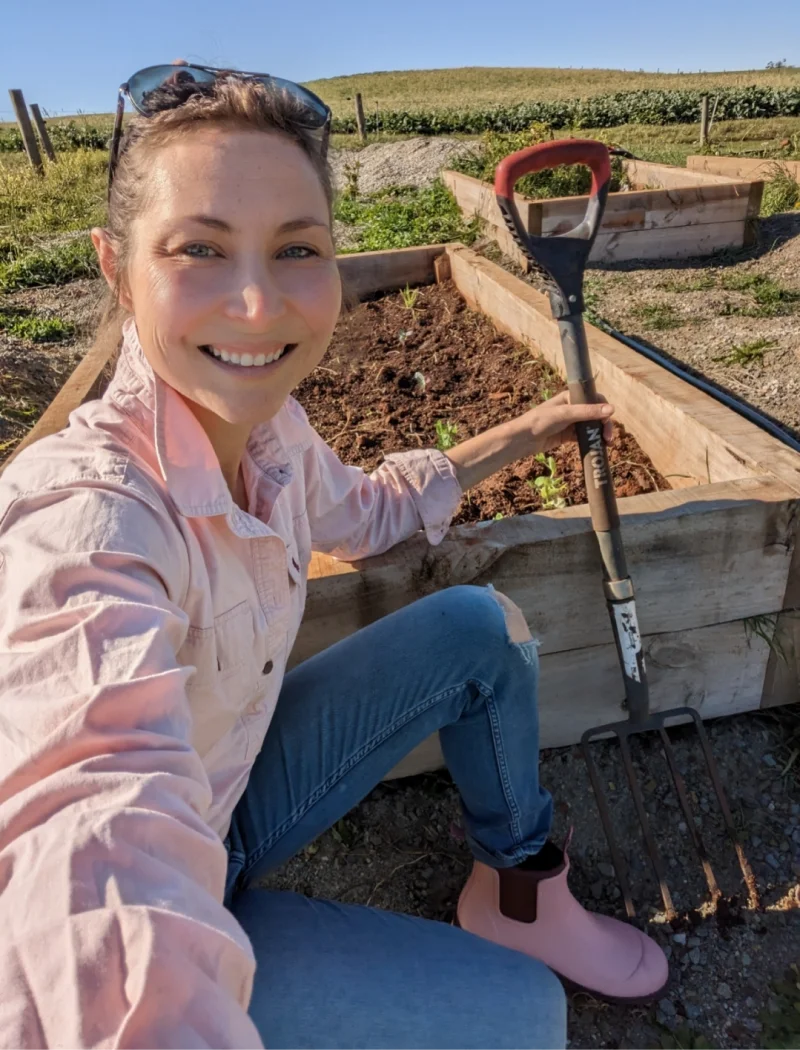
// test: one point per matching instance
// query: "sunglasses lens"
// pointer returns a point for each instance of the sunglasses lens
(143, 83)
(317, 111)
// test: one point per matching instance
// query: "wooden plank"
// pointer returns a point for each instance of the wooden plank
(44, 135)
(782, 681)
(685, 575)
(677, 242)
(716, 670)
(741, 167)
(644, 174)
(365, 273)
(652, 209)
(688, 435)
(26, 130)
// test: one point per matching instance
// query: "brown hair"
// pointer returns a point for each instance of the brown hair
(177, 109)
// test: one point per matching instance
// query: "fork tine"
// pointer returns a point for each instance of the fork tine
(652, 848)
(605, 819)
(683, 798)
(744, 863)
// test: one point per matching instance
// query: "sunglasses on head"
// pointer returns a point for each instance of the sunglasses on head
(142, 88)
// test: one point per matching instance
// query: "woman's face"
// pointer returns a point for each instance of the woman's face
(232, 260)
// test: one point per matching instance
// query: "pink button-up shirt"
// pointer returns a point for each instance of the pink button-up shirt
(145, 624)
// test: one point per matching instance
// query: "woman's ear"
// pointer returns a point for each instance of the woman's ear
(107, 257)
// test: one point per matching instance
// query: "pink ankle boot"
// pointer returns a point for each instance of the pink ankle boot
(533, 911)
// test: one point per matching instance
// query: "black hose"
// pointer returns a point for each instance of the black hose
(749, 413)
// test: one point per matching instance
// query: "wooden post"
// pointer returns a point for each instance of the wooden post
(41, 127)
(362, 131)
(26, 130)
(704, 121)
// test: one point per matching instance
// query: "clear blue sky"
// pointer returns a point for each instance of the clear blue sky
(71, 55)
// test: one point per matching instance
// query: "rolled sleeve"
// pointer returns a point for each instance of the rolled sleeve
(111, 881)
(354, 515)
(433, 486)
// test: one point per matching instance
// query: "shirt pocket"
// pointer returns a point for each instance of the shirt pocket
(226, 673)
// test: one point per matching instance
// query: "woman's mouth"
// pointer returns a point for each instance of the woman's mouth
(242, 359)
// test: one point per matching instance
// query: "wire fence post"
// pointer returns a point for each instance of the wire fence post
(44, 136)
(26, 130)
(362, 130)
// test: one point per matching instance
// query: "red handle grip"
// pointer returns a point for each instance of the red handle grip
(551, 155)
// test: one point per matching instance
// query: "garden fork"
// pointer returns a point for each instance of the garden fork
(563, 259)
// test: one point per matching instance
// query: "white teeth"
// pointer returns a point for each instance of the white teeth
(246, 360)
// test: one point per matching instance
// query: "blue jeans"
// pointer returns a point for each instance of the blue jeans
(334, 975)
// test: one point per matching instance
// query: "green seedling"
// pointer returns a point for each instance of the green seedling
(352, 169)
(747, 353)
(498, 516)
(420, 381)
(551, 486)
(410, 296)
(769, 299)
(446, 433)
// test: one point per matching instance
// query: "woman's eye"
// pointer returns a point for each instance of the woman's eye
(299, 251)
(199, 251)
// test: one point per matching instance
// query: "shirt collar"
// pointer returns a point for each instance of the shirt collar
(186, 457)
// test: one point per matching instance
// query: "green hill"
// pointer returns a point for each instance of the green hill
(477, 87)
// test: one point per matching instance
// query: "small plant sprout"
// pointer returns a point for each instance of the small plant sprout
(546, 394)
(446, 434)
(747, 353)
(551, 486)
(410, 296)
(420, 381)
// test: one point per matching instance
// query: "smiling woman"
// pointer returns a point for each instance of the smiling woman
(156, 758)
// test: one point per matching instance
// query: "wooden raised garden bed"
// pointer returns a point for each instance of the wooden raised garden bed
(669, 213)
(711, 557)
(742, 167)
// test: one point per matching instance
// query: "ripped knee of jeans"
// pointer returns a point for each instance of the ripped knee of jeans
(516, 624)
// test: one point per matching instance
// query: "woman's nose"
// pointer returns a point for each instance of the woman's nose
(257, 298)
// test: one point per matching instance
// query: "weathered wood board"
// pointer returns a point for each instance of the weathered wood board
(742, 167)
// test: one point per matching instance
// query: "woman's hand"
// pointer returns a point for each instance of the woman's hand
(553, 422)
(539, 430)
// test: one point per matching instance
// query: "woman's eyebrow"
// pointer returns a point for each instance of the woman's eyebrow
(290, 226)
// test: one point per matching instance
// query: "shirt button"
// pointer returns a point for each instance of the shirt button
(267, 667)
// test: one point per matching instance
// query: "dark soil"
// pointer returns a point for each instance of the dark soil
(393, 371)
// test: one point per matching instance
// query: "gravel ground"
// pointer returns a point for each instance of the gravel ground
(412, 162)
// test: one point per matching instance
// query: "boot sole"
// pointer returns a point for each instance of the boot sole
(617, 1000)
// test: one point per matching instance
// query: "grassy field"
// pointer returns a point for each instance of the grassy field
(482, 87)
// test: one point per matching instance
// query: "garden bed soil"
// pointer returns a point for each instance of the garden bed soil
(393, 371)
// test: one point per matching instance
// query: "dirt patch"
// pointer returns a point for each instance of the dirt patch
(31, 374)
(394, 371)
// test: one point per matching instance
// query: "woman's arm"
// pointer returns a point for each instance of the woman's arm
(541, 429)
(114, 933)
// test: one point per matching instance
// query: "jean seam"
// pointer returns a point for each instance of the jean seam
(499, 754)
(347, 766)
